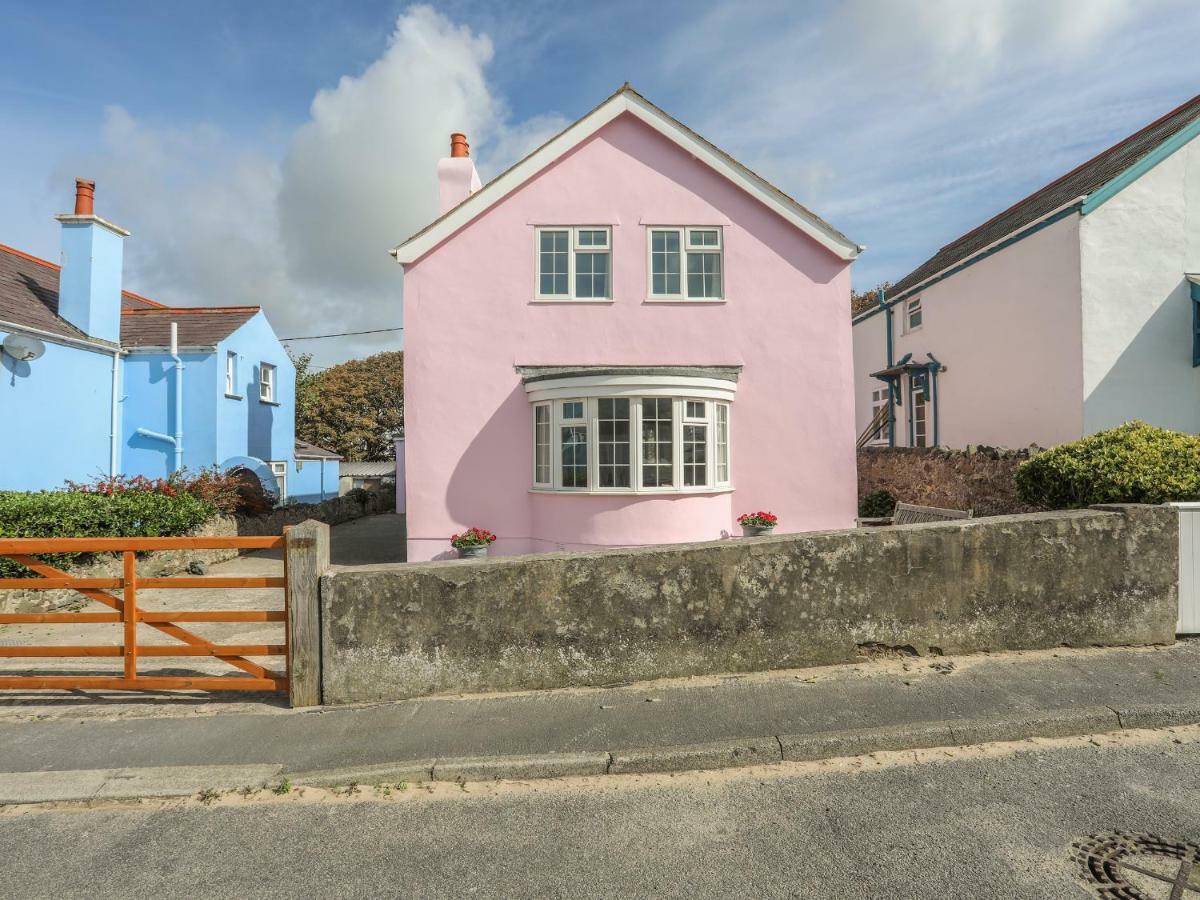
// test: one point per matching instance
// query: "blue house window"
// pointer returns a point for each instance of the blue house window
(231, 375)
(266, 383)
(1194, 281)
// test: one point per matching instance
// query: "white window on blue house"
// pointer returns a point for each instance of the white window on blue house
(686, 264)
(574, 263)
(266, 383)
(279, 470)
(231, 374)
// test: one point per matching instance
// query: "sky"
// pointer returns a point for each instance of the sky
(272, 152)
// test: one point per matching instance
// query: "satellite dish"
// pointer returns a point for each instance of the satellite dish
(23, 347)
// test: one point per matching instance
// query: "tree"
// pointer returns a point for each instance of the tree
(355, 408)
(861, 301)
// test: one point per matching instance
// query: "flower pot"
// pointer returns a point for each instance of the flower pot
(479, 550)
(756, 530)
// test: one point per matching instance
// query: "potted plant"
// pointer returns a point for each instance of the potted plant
(472, 543)
(756, 523)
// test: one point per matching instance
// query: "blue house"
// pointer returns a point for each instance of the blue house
(97, 380)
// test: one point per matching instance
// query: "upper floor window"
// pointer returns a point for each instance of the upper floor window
(574, 263)
(686, 264)
(266, 383)
(231, 374)
(912, 314)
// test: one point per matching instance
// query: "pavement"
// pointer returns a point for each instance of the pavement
(993, 823)
(669, 726)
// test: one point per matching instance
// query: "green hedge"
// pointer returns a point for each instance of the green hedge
(877, 504)
(80, 514)
(1133, 463)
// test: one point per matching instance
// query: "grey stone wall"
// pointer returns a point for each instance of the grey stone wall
(1083, 577)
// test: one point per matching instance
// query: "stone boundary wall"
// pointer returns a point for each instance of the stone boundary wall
(1080, 578)
(978, 478)
(162, 563)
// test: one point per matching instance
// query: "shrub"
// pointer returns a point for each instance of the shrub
(119, 511)
(1133, 463)
(877, 505)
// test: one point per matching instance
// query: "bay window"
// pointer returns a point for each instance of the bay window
(631, 429)
(686, 264)
(574, 263)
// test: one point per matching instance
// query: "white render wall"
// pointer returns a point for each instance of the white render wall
(1008, 330)
(1137, 310)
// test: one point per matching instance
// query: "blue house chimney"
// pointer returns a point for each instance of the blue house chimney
(89, 286)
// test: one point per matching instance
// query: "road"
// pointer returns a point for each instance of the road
(991, 822)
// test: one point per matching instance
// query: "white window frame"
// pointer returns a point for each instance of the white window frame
(879, 400)
(279, 471)
(721, 428)
(231, 367)
(684, 233)
(548, 481)
(714, 483)
(913, 305)
(266, 382)
(573, 248)
(921, 438)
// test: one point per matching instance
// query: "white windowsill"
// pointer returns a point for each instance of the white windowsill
(568, 301)
(698, 300)
(235, 397)
(269, 402)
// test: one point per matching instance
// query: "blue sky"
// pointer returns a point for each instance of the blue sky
(270, 152)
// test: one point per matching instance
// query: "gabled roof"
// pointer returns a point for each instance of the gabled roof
(1081, 182)
(625, 100)
(204, 326)
(381, 469)
(29, 294)
(29, 298)
(305, 450)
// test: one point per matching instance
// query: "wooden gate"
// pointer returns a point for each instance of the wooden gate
(125, 612)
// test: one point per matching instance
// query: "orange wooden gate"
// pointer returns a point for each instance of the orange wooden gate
(126, 613)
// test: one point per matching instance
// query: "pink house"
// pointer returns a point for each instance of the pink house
(626, 338)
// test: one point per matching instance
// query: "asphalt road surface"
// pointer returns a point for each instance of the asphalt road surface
(991, 822)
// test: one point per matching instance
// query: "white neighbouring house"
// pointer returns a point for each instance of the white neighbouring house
(1070, 312)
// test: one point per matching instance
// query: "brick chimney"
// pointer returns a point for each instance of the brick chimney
(89, 285)
(457, 178)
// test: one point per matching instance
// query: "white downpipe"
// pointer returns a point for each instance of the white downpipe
(177, 440)
(178, 397)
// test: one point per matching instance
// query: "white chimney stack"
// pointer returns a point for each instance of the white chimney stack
(457, 178)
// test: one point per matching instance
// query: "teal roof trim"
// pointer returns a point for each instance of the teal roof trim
(1140, 168)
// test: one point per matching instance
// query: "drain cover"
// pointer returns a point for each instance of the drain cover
(1139, 867)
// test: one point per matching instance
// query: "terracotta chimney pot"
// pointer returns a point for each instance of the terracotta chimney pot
(85, 193)
(458, 145)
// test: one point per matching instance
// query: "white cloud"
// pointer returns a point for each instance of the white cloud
(307, 236)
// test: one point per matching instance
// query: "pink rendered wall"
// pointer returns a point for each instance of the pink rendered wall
(469, 320)
(1008, 329)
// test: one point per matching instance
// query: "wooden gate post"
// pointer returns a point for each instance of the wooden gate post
(306, 558)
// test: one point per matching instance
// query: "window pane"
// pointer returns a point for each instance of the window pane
(574, 456)
(657, 445)
(552, 263)
(695, 409)
(664, 262)
(613, 442)
(572, 409)
(695, 455)
(704, 274)
(541, 441)
(722, 441)
(591, 275)
(593, 238)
